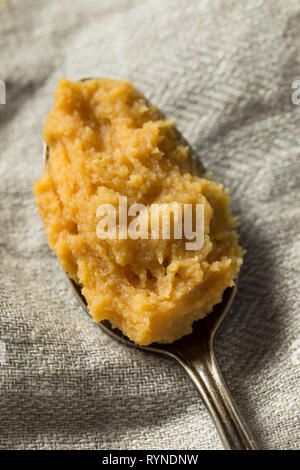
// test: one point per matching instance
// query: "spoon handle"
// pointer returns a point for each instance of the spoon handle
(207, 377)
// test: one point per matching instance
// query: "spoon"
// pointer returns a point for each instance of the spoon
(195, 354)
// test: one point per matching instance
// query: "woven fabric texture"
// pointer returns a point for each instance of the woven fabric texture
(224, 69)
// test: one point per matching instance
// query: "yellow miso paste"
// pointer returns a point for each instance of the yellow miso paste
(105, 142)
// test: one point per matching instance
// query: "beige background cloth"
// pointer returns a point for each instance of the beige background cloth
(224, 69)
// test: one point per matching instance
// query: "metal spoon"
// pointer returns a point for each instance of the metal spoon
(196, 355)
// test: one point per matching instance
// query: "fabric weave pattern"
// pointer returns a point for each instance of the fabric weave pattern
(224, 70)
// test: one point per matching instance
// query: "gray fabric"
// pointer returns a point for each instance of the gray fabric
(224, 70)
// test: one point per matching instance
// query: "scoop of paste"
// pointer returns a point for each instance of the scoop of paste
(108, 144)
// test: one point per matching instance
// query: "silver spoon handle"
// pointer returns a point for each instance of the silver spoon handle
(207, 377)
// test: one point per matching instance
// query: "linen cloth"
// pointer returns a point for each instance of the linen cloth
(224, 69)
